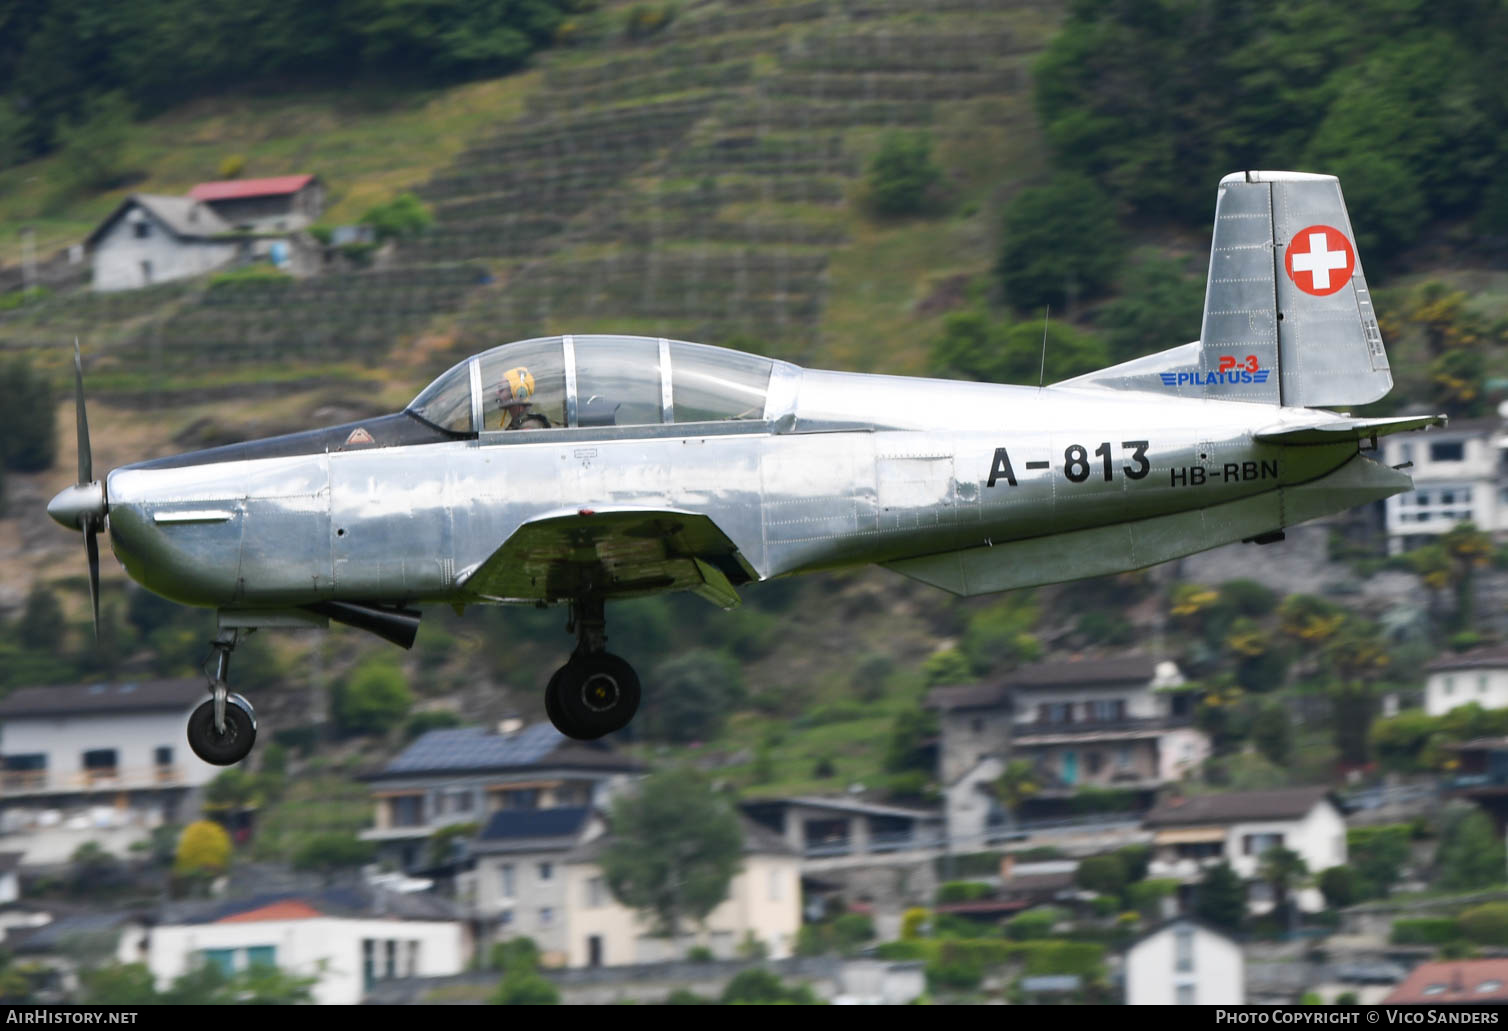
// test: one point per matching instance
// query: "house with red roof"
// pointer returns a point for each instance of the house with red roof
(349, 938)
(1453, 982)
(282, 203)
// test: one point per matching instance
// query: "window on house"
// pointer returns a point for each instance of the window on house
(595, 893)
(100, 762)
(976, 725)
(1096, 762)
(1260, 844)
(390, 958)
(546, 916)
(777, 886)
(1123, 757)
(143, 229)
(262, 956)
(407, 810)
(546, 871)
(509, 883)
(163, 755)
(223, 960)
(1447, 451)
(1482, 683)
(1450, 684)
(1185, 995)
(1183, 941)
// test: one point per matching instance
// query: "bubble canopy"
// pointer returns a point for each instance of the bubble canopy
(569, 382)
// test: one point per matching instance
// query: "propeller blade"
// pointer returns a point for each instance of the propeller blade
(86, 460)
(92, 547)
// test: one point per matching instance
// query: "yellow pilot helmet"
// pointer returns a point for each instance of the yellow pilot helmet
(517, 386)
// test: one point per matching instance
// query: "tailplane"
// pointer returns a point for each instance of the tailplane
(1288, 319)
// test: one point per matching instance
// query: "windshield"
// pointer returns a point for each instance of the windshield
(446, 402)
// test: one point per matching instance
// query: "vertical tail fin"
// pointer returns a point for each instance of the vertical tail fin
(1286, 293)
(1288, 318)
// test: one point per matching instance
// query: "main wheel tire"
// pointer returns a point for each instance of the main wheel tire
(552, 703)
(234, 744)
(599, 693)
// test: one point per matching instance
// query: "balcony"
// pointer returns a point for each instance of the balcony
(36, 782)
(1051, 733)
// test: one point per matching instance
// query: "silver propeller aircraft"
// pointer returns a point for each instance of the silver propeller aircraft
(579, 470)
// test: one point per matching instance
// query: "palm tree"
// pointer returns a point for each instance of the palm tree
(1285, 870)
(1015, 785)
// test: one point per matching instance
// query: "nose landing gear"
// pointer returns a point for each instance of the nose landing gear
(222, 730)
(595, 692)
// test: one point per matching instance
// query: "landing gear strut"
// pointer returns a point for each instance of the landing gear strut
(595, 692)
(222, 730)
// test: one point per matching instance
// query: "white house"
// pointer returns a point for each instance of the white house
(1458, 477)
(1102, 723)
(1191, 834)
(348, 949)
(151, 239)
(537, 875)
(276, 204)
(95, 762)
(1479, 675)
(1187, 962)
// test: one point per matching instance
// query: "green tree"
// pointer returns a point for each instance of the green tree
(1399, 741)
(526, 988)
(973, 347)
(94, 147)
(41, 627)
(1470, 854)
(1486, 924)
(1062, 244)
(118, 984)
(1272, 733)
(333, 850)
(1103, 874)
(905, 749)
(28, 418)
(901, 173)
(694, 693)
(1378, 855)
(675, 848)
(1341, 886)
(1220, 898)
(372, 700)
(1158, 305)
(1283, 869)
(760, 987)
(402, 217)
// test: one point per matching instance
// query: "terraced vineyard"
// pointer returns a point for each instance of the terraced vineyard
(700, 184)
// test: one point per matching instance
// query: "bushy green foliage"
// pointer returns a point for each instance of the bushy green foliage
(94, 145)
(675, 848)
(1425, 930)
(372, 700)
(1220, 898)
(1341, 886)
(1486, 924)
(526, 988)
(694, 693)
(1158, 305)
(1272, 733)
(760, 987)
(1378, 855)
(904, 749)
(421, 723)
(901, 173)
(1000, 635)
(514, 955)
(41, 626)
(1158, 103)
(1103, 874)
(1470, 854)
(973, 346)
(132, 984)
(1146, 897)
(28, 431)
(1032, 925)
(1062, 244)
(400, 218)
(332, 851)
(963, 891)
(204, 848)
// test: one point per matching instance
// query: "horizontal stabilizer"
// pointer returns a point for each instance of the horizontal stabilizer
(1346, 429)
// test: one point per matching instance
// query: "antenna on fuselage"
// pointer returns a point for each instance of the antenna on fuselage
(1042, 372)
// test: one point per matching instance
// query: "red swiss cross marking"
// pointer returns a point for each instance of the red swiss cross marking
(1320, 260)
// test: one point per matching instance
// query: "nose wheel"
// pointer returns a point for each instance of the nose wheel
(222, 730)
(596, 692)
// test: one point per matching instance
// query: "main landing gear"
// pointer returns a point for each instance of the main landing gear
(595, 692)
(222, 730)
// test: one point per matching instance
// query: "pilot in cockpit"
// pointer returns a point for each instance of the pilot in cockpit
(514, 396)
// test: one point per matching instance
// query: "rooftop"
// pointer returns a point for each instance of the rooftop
(1236, 806)
(1477, 658)
(1454, 981)
(240, 189)
(183, 216)
(94, 699)
(1139, 670)
(476, 750)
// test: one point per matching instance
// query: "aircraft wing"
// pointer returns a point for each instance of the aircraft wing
(1346, 429)
(617, 553)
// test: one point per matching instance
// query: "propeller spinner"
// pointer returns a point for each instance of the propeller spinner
(83, 506)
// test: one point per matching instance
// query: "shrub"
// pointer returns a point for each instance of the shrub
(232, 166)
(913, 923)
(901, 173)
(1103, 874)
(699, 954)
(203, 849)
(1486, 924)
(963, 891)
(1341, 886)
(758, 986)
(1425, 930)
(372, 700)
(526, 988)
(333, 851)
(1034, 923)
(402, 217)
(1062, 244)
(959, 969)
